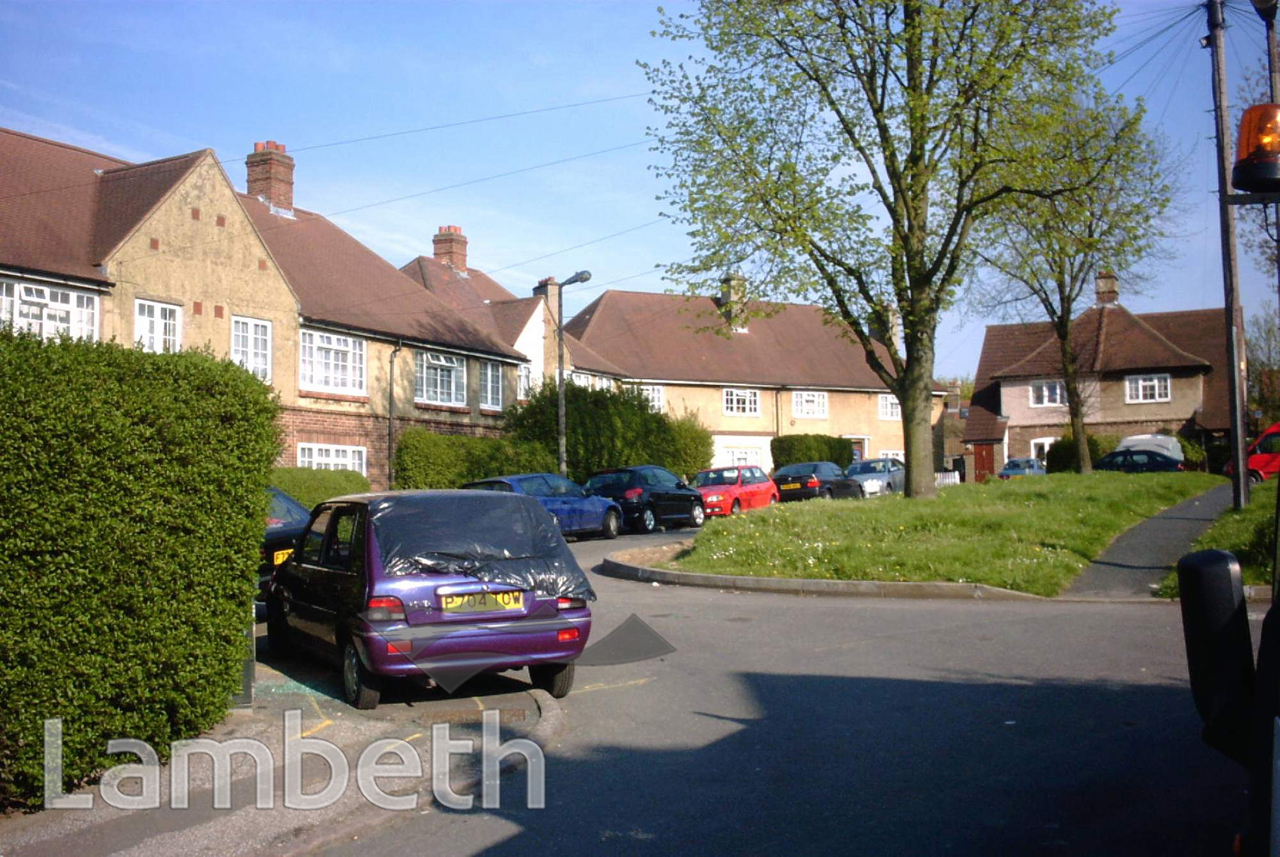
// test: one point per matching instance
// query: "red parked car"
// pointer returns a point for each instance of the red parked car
(1262, 459)
(730, 490)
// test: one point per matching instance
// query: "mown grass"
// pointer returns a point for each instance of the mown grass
(1248, 533)
(1032, 535)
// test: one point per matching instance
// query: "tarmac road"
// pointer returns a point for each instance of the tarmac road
(792, 725)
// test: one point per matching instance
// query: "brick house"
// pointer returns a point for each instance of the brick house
(167, 255)
(1139, 373)
(786, 373)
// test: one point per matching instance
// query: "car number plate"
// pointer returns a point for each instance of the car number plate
(788, 486)
(482, 602)
(280, 556)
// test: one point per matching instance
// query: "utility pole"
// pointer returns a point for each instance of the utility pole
(560, 424)
(1227, 220)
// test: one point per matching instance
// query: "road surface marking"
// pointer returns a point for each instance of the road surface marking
(600, 686)
(325, 721)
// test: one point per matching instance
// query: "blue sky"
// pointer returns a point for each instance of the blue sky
(147, 79)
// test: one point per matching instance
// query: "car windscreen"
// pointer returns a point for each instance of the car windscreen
(488, 486)
(863, 467)
(284, 511)
(797, 470)
(716, 477)
(615, 479)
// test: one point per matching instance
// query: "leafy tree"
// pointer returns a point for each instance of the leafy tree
(1041, 254)
(842, 152)
(1263, 348)
(692, 445)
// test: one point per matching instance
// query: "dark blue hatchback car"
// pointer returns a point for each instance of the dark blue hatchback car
(575, 511)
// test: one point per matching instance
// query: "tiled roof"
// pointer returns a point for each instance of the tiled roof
(585, 359)
(1108, 339)
(660, 337)
(128, 195)
(339, 280)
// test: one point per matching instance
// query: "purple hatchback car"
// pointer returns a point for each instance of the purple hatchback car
(441, 584)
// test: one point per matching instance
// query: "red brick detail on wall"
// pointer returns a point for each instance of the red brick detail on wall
(217, 311)
(221, 220)
(332, 397)
(155, 243)
(195, 214)
(197, 308)
(262, 264)
(309, 425)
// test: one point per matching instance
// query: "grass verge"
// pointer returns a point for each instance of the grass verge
(1247, 533)
(1032, 535)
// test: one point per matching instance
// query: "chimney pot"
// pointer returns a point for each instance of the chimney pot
(258, 147)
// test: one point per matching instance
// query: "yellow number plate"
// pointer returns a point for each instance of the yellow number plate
(482, 602)
(790, 485)
(280, 556)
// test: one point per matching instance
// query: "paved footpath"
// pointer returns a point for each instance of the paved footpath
(1141, 557)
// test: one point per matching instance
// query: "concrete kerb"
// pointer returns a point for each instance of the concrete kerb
(550, 725)
(632, 565)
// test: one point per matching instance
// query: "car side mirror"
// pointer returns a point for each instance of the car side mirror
(1215, 626)
(680, 484)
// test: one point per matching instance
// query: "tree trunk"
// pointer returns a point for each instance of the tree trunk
(915, 397)
(1075, 403)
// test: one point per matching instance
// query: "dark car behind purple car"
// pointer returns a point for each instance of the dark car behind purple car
(442, 584)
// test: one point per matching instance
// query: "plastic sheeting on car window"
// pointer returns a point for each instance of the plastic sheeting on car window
(497, 538)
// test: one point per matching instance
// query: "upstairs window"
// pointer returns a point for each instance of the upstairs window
(331, 363)
(1045, 394)
(889, 407)
(809, 405)
(440, 379)
(1139, 389)
(490, 385)
(741, 403)
(157, 327)
(524, 382)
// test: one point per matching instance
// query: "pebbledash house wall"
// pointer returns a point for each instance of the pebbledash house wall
(199, 251)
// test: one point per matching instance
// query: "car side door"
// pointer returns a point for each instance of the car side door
(342, 573)
(673, 503)
(897, 475)
(299, 580)
(1265, 458)
(759, 487)
(539, 487)
(577, 509)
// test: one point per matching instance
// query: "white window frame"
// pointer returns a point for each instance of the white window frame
(890, 408)
(246, 358)
(434, 361)
(742, 456)
(313, 366)
(524, 382)
(489, 373)
(582, 379)
(1046, 441)
(741, 402)
(809, 405)
(896, 454)
(652, 394)
(331, 456)
(1142, 381)
(1058, 400)
(147, 340)
(31, 307)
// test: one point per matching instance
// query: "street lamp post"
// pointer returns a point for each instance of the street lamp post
(580, 277)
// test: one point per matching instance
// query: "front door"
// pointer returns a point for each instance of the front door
(984, 461)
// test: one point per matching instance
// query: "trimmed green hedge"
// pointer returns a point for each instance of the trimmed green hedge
(1062, 457)
(425, 459)
(799, 448)
(132, 501)
(310, 487)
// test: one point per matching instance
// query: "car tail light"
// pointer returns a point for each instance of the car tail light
(632, 493)
(568, 635)
(1180, 467)
(384, 609)
(399, 647)
(812, 483)
(570, 604)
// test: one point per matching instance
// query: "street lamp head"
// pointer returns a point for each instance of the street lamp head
(1266, 9)
(580, 277)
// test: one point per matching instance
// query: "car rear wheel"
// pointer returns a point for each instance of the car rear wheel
(360, 687)
(736, 509)
(610, 528)
(1255, 478)
(648, 520)
(278, 629)
(773, 498)
(825, 495)
(555, 679)
(697, 515)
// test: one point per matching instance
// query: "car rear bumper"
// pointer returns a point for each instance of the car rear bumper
(798, 494)
(478, 647)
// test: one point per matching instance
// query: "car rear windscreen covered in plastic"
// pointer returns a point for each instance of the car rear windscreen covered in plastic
(494, 537)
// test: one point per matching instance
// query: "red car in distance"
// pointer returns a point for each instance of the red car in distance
(730, 490)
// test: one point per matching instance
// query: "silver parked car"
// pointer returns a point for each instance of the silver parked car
(878, 476)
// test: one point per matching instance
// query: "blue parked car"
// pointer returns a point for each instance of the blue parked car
(1015, 468)
(575, 511)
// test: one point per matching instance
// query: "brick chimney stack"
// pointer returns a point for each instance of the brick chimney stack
(1107, 288)
(549, 288)
(450, 247)
(733, 296)
(271, 174)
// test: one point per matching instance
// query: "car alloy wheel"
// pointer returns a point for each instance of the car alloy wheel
(697, 515)
(773, 498)
(736, 508)
(648, 520)
(610, 528)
